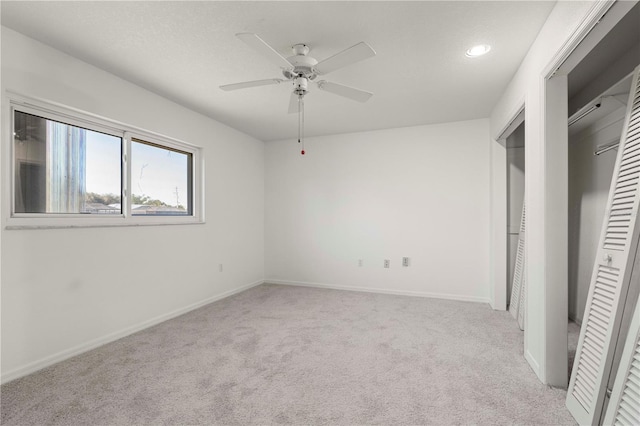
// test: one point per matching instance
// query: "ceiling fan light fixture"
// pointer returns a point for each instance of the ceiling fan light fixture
(478, 50)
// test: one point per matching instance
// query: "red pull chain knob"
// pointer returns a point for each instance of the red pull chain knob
(302, 152)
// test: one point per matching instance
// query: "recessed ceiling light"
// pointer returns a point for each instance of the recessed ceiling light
(478, 50)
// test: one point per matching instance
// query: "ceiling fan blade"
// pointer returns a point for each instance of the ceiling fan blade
(346, 91)
(348, 56)
(256, 83)
(261, 46)
(293, 103)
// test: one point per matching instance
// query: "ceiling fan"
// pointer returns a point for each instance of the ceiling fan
(300, 69)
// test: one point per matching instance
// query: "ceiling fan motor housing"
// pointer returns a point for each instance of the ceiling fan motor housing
(302, 64)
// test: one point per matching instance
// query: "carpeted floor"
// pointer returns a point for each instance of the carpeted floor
(295, 355)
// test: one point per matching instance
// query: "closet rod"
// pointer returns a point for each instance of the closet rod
(607, 147)
(579, 116)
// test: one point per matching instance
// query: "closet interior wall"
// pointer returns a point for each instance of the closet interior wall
(589, 182)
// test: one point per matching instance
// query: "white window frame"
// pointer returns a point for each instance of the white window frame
(61, 113)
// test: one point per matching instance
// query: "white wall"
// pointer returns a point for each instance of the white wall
(545, 329)
(420, 192)
(66, 290)
(589, 183)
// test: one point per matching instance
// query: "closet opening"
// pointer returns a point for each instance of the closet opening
(516, 213)
(600, 86)
(508, 189)
(593, 147)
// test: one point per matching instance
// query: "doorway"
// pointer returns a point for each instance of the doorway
(598, 91)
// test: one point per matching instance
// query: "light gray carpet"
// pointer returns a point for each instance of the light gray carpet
(294, 355)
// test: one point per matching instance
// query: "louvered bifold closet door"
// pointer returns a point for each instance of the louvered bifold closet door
(516, 304)
(624, 405)
(523, 280)
(611, 275)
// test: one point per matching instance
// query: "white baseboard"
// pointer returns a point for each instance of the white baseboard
(382, 291)
(92, 344)
(535, 366)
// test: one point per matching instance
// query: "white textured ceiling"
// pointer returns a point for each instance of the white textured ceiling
(184, 50)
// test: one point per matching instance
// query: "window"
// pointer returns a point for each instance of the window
(160, 180)
(71, 169)
(62, 168)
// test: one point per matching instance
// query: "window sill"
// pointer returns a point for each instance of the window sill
(29, 224)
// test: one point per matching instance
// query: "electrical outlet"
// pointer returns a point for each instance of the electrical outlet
(405, 261)
(220, 267)
(360, 263)
(387, 263)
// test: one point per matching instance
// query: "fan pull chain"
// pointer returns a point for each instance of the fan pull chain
(302, 130)
(301, 122)
(299, 115)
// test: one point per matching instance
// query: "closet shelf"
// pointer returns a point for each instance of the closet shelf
(610, 100)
